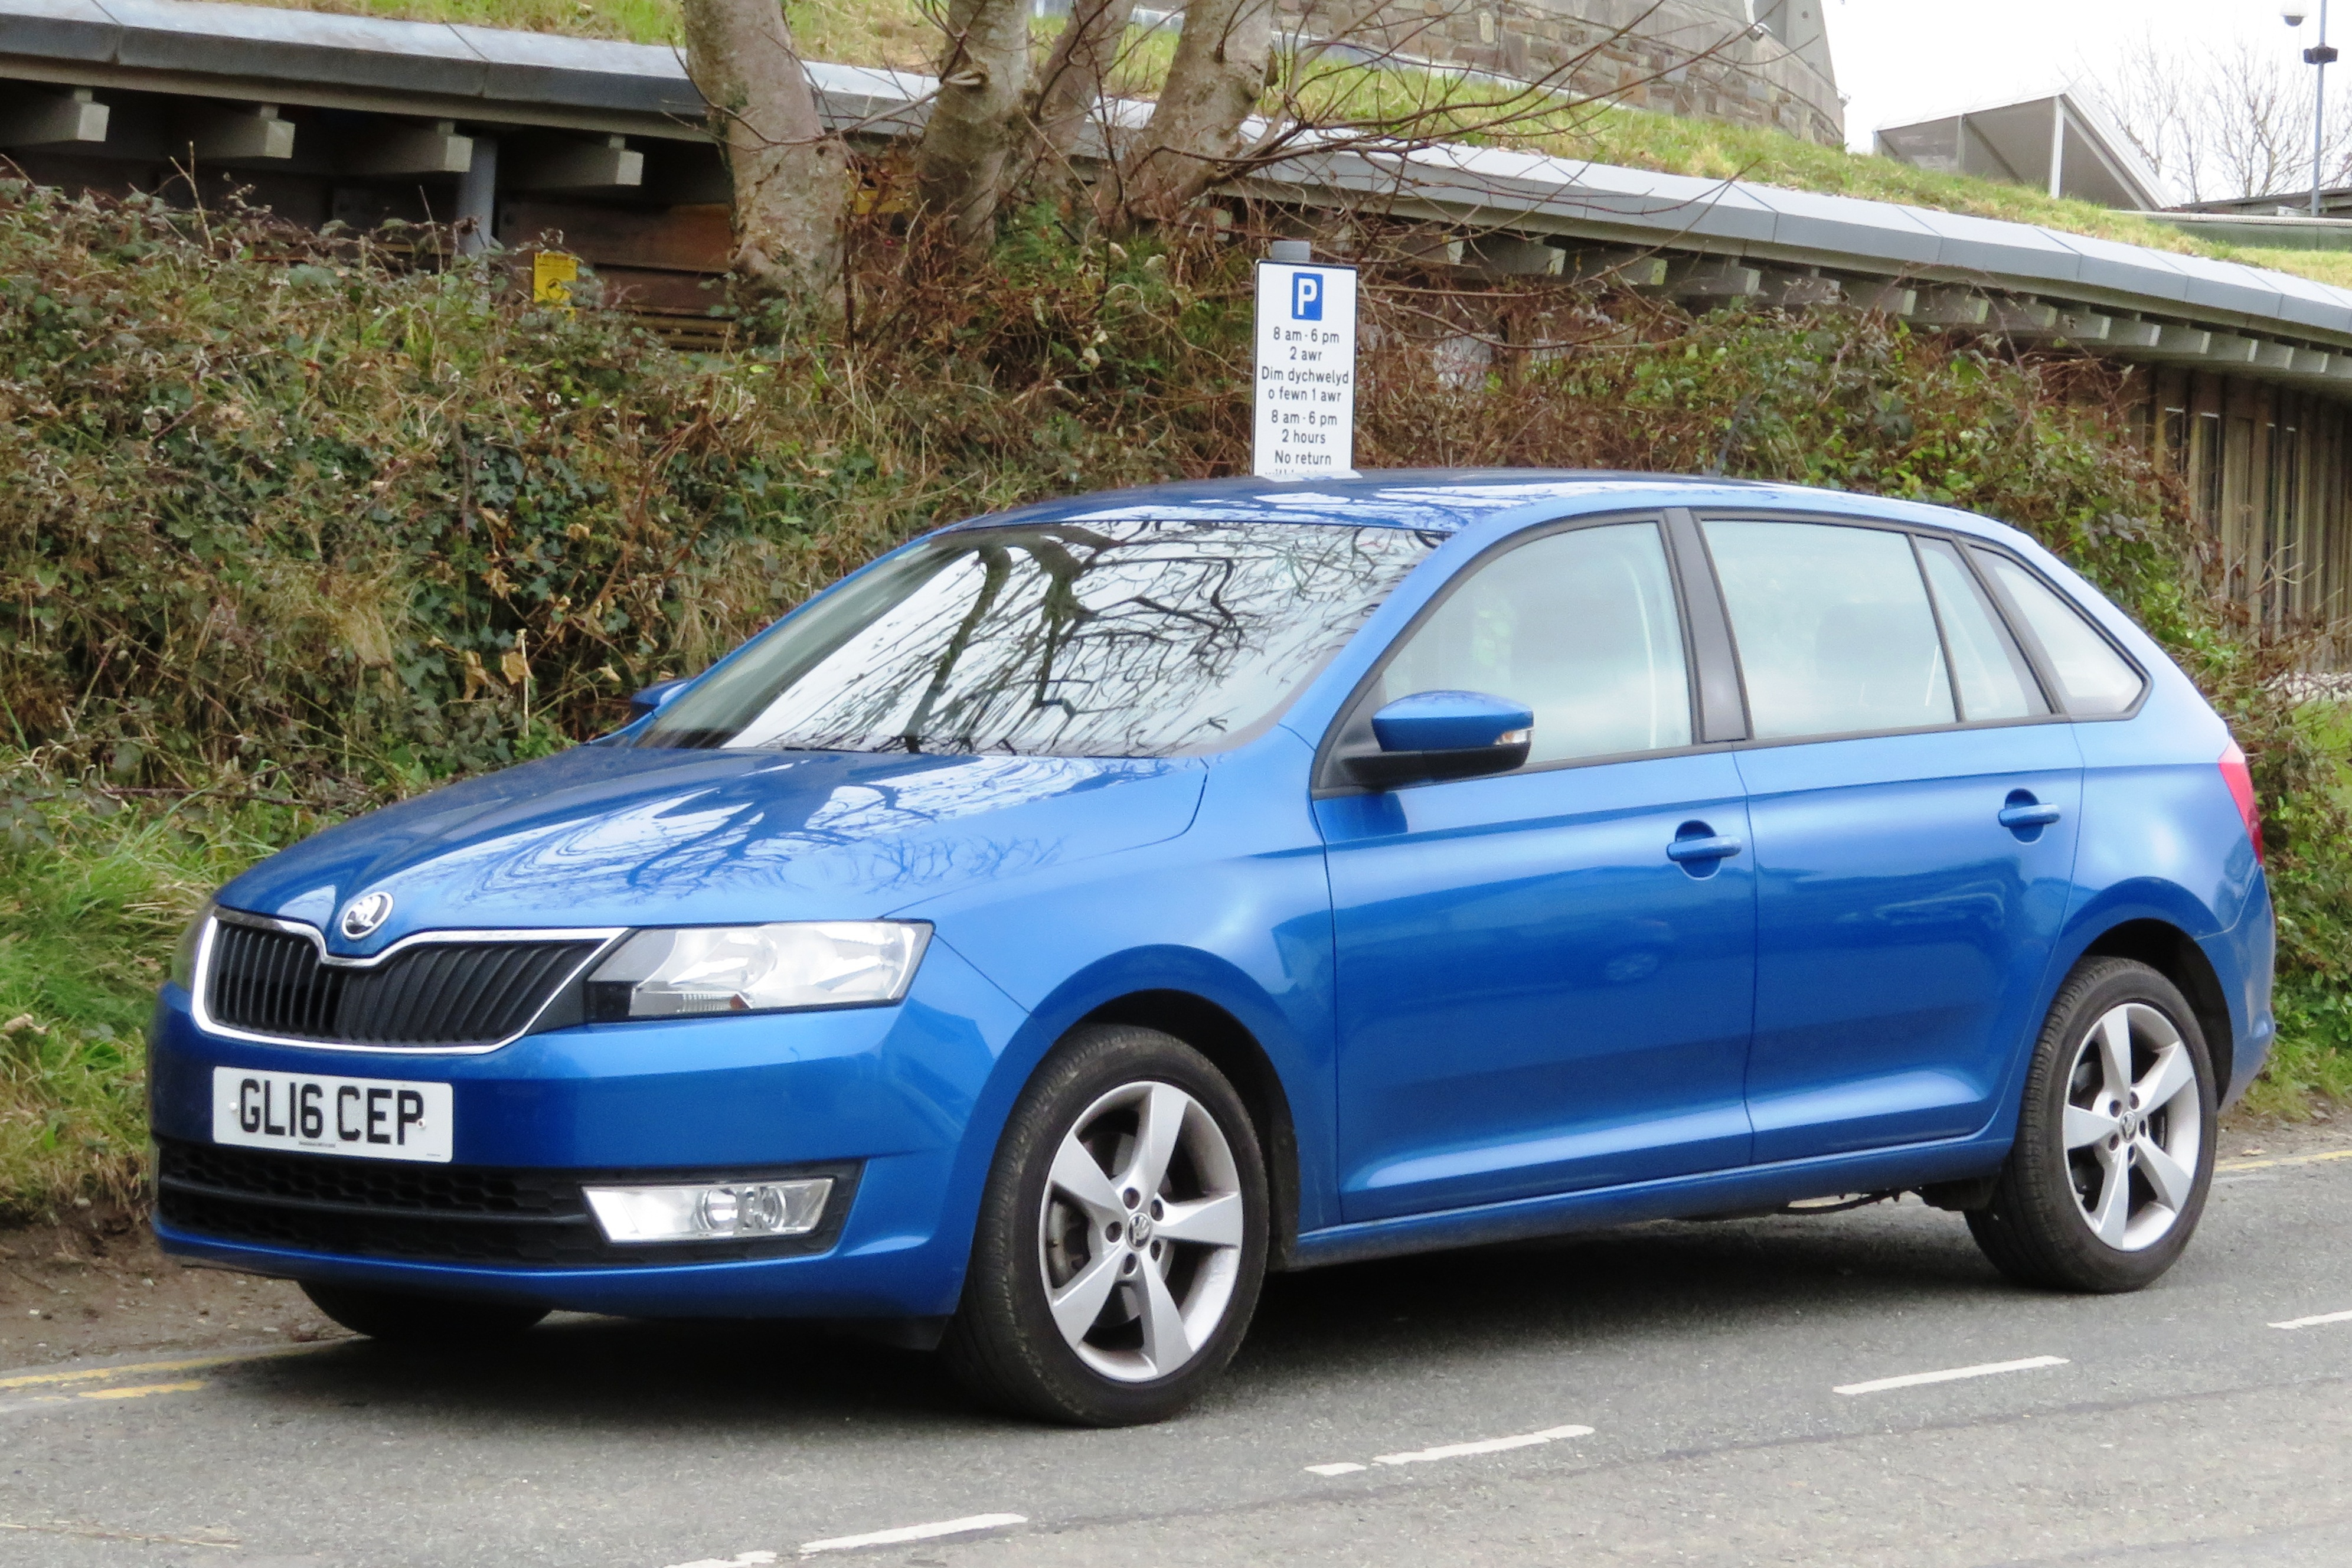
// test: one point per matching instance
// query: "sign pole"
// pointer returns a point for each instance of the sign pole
(1304, 397)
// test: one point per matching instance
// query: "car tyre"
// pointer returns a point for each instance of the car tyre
(440, 1322)
(1121, 1238)
(2114, 1141)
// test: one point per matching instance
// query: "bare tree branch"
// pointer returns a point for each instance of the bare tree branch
(2219, 124)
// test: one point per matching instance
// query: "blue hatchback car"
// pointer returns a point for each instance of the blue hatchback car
(1038, 936)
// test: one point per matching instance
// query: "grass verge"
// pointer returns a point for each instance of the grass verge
(93, 895)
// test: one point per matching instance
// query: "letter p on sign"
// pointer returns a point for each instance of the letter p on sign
(1306, 297)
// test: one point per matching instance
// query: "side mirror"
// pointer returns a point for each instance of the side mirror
(1433, 735)
(654, 697)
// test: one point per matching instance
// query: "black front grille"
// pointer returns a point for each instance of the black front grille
(435, 993)
(436, 1214)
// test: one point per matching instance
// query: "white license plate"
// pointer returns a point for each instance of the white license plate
(375, 1118)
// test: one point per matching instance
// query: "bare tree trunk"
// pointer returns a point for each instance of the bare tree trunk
(1219, 72)
(975, 119)
(792, 179)
(1076, 76)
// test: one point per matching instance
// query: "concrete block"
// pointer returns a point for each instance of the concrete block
(434, 149)
(1950, 308)
(2130, 333)
(1706, 277)
(2269, 355)
(1886, 298)
(2082, 326)
(1800, 291)
(223, 134)
(2178, 342)
(2072, 326)
(2230, 352)
(1508, 255)
(1618, 268)
(578, 166)
(2024, 318)
(53, 118)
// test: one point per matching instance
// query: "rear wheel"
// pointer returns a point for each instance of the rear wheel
(448, 1323)
(1122, 1239)
(2115, 1141)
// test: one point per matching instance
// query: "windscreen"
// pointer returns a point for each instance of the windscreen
(1098, 639)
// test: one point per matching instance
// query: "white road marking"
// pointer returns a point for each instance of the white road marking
(1456, 1450)
(2315, 1322)
(1913, 1380)
(740, 1560)
(1486, 1446)
(914, 1532)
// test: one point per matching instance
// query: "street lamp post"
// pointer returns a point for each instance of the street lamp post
(2321, 55)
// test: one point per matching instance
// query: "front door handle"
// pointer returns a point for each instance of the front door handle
(2028, 813)
(1714, 847)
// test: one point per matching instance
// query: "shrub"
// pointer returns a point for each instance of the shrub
(307, 522)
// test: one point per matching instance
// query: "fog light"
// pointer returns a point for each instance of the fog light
(718, 1210)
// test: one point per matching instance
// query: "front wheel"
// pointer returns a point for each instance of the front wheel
(1122, 1236)
(2115, 1141)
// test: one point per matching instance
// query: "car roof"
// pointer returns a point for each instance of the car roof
(1447, 500)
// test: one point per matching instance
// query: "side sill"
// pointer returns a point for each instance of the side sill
(1907, 1166)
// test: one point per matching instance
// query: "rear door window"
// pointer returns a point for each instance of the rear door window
(1834, 629)
(2093, 679)
(1994, 680)
(1581, 627)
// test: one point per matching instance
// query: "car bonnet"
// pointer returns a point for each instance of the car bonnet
(609, 836)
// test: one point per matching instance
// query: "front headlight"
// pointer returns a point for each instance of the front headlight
(756, 969)
(184, 956)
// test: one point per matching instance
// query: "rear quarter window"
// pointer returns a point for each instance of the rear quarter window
(2093, 679)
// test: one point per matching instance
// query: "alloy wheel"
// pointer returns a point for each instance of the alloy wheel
(2134, 1128)
(1140, 1238)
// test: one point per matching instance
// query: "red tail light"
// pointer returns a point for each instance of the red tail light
(2240, 780)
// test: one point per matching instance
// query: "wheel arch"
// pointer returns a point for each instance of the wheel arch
(2174, 954)
(1235, 1052)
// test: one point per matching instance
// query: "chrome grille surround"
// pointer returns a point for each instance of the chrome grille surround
(591, 942)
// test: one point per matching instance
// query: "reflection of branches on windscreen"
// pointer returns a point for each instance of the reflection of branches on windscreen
(1123, 639)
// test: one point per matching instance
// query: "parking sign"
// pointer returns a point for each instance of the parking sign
(1304, 394)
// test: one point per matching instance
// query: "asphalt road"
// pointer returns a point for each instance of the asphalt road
(1707, 1362)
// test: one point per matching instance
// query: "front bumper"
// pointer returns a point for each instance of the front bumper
(885, 1096)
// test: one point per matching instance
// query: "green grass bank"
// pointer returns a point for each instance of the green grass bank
(289, 527)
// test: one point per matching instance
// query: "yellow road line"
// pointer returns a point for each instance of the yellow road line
(2223, 1167)
(142, 1391)
(93, 1532)
(100, 1374)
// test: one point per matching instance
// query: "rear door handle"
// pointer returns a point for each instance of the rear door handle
(1719, 846)
(2029, 813)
